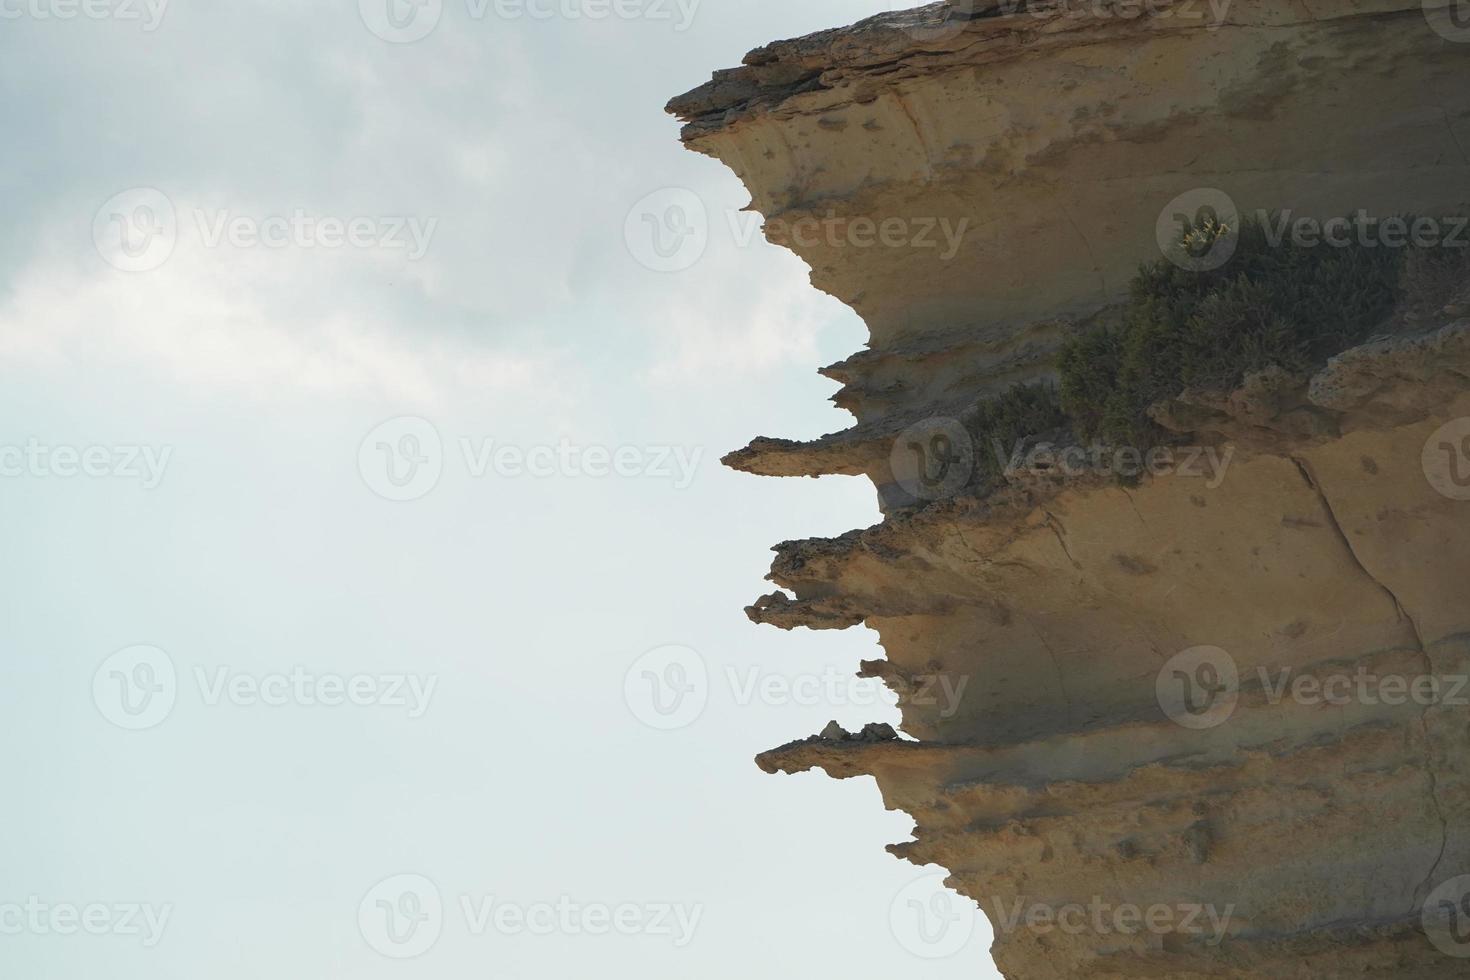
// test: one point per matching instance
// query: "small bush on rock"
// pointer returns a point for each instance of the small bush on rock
(1274, 303)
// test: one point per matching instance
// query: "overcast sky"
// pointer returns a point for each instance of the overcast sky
(373, 602)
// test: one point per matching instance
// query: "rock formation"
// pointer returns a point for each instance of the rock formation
(1180, 685)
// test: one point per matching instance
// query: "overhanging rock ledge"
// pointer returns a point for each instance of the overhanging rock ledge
(1320, 540)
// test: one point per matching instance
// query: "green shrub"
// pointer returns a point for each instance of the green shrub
(1089, 366)
(1275, 303)
(1435, 277)
(998, 424)
(1271, 304)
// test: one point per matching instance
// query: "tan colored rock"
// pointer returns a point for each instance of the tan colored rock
(1316, 542)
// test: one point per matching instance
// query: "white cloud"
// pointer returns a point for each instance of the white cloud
(739, 324)
(243, 321)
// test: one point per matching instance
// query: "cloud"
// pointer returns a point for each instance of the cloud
(521, 141)
(246, 321)
(737, 326)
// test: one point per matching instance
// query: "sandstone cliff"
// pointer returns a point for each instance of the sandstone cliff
(1143, 655)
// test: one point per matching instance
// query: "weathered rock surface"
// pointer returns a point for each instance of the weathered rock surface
(1312, 538)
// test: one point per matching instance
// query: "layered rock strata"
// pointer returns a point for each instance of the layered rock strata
(1181, 689)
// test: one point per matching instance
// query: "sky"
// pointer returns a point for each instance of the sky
(374, 597)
